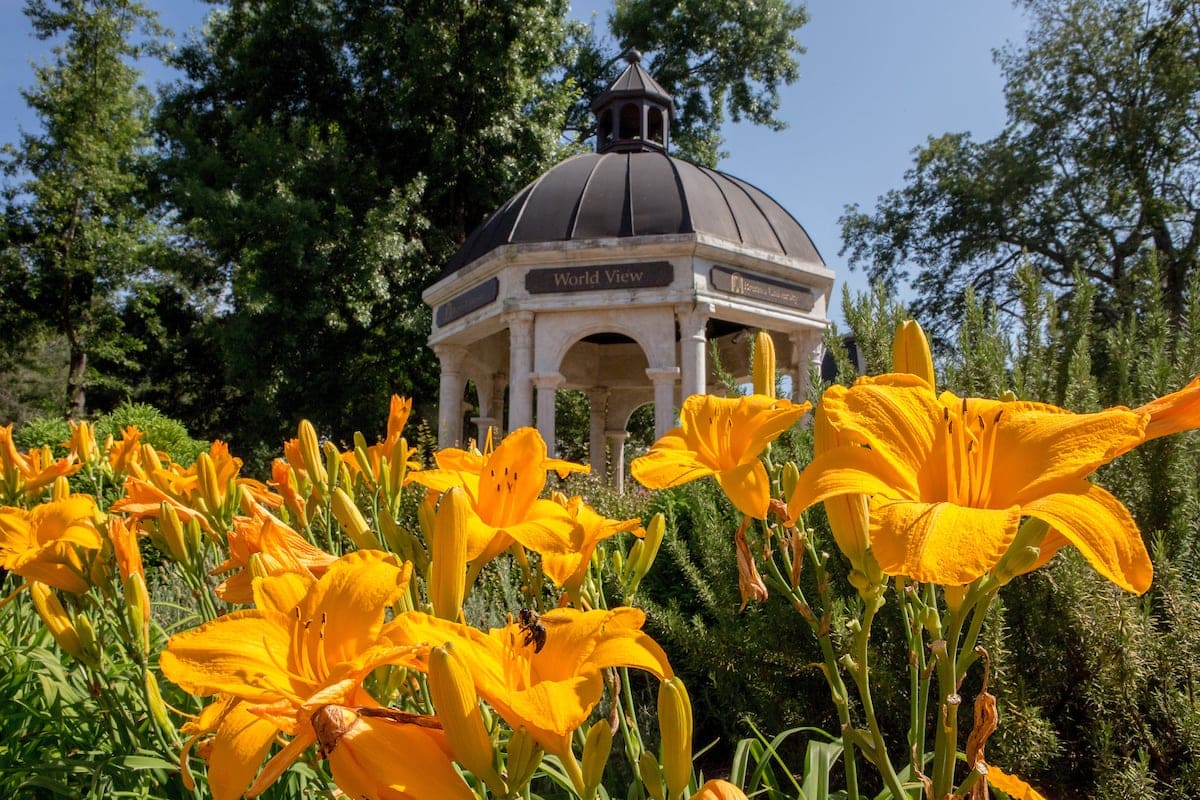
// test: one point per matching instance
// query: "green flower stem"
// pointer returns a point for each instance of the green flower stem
(918, 681)
(862, 679)
(946, 744)
(967, 655)
(832, 672)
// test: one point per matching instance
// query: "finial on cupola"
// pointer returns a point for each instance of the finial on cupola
(634, 114)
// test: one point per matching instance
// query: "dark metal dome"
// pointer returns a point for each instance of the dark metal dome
(615, 194)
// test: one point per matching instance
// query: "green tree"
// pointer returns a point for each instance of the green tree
(1096, 170)
(719, 59)
(327, 158)
(75, 231)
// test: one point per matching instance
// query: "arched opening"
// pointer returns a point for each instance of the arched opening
(657, 129)
(631, 121)
(604, 130)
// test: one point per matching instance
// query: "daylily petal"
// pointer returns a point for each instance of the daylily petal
(669, 463)
(748, 488)
(895, 415)
(1049, 446)
(1100, 526)
(940, 542)
(1173, 413)
(241, 743)
(848, 470)
(379, 757)
(280, 762)
(1011, 785)
(242, 654)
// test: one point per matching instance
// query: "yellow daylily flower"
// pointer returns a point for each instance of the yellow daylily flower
(232, 741)
(1011, 785)
(719, 790)
(23, 475)
(549, 687)
(306, 644)
(951, 478)
(567, 570)
(382, 753)
(52, 543)
(722, 437)
(503, 489)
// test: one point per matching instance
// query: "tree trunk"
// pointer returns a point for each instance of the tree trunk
(76, 396)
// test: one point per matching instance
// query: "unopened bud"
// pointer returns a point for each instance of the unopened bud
(310, 454)
(333, 461)
(523, 758)
(675, 729)
(596, 750)
(89, 646)
(352, 522)
(449, 554)
(457, 705)
(788, 478)
(55, 617)
(910, 352)
(154, 701)
(764, 364)
(210, 487)
(954, 596)
(137, 608)
(642, 559)
(170, 531)
(61, 490)
(651, 776)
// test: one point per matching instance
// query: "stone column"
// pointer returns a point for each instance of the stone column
(806, 348)
(450, 394)
(498, 385)
(664, 398)
(616, 443)
(520, 369)
(547, 384)
(692, 349)
(598, 420)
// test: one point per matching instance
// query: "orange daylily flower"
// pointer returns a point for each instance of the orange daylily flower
(567, 570)
(23, 475)
(719, 790)
(398, 412)
(722, 437)
(388, 754)
(83, 442)
(124, 454)
(280, 550)
(1011, 785)
(951, 478)
(52, 543)
(232, 741)
(548, 687)
(503, 489)
(306, 644)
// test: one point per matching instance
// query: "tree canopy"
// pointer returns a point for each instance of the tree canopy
(76, 235)
(1095, 173)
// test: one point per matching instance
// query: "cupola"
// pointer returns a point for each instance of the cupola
(634, 115)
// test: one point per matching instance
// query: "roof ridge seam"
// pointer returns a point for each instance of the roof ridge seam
(583, 192)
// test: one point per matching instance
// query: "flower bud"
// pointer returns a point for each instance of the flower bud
(51, 610)
(457, 705)
(651, 776)
(675, 729)
(333, 461)
(449, 551)
(352, 522)
(60, 490)
(89, 646)
(1023, 552)
(137, 608)
(310, 454)
(763, 370)
(154, 701)
(523, 758)
(596, 750)
(910, 352)
(719, 790)
(789, 477)
(170, 534)
(642, 558)
(210, 486)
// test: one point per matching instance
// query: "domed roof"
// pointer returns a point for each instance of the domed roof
(621, 194)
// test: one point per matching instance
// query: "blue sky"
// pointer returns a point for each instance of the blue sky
(878, 77)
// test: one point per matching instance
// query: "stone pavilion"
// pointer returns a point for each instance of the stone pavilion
(614, 273)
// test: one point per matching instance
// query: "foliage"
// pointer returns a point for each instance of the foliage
(77, 230)
(718, 60)
(1095, 171)
(162, 432)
